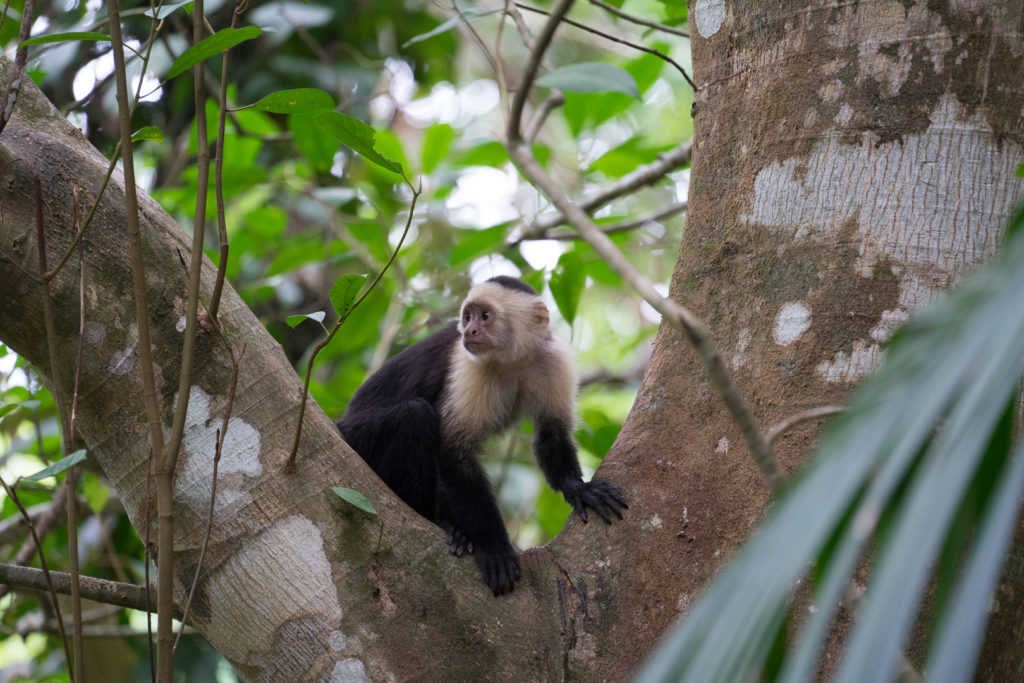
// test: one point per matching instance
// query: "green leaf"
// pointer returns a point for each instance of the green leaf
(58, 467)
(591, 77)
(96, 493)
(150, 133)
(222, 40)
(551, 511)
(11, 407)
(294, 320)
(343, 293)
(567, 283)
(297, 101)
(436, 142)
(66, 37)
(471, 243)
(468, 13)
(165, 11)
(358, 136)
(355, 498)
(313, 142)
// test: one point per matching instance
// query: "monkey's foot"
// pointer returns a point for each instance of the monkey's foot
(500, 568)
(458, 543)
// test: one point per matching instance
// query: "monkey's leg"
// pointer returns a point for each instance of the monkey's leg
(477, 517)
(401, 443)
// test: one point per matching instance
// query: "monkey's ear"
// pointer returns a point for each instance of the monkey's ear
(540, 314)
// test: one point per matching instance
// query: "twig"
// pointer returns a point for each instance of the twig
(129, 595)
(146, 562)
(624, 226)
(478, 40)
(117, 147)
(222, 225)
(640, 177)
(637, 20)
(81, 322)
(42, 526)
(532, 66)
(164, 476)
(60, 396)
(552, 102)
(20, 57)
(13, 529)
(616, 39)
(290, 462)
(47, 579)
(779, 428)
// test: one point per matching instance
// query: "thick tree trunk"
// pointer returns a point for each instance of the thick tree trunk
(850, 161)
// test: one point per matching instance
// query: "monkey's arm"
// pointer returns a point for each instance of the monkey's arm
(557, 457)
(477, 521)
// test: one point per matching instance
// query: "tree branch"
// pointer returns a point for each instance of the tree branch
(780, 428)
(641, 177)
(130, 595)
(637, 20)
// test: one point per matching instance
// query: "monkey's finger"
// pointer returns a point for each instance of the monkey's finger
(613, 492)
(614, 505)
(581, 510)
(598, 505)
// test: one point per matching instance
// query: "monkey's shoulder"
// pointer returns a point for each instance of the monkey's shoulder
(418, 371)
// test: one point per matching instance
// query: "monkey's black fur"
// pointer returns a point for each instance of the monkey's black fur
(394, 422)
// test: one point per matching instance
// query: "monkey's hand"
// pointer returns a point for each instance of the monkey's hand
(598, 494)
(500, 568)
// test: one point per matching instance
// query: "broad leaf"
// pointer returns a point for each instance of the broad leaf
(355, 498)
(591, 77)
(222, 40)
(466, 14)
(297, 101)
(436, 141)
(58, 467)
(150, 133)
(358, 136)
(294, 320)
(165, 11)
(66, 37)
(11, 407)
(567, 282)
(343, 293)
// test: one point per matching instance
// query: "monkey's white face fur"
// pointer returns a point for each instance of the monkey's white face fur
(502, 325)
(510, 365)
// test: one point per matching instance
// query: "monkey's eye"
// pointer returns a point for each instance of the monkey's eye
(466, 316)
(485, 315)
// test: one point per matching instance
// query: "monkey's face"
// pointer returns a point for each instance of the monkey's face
(480, 326)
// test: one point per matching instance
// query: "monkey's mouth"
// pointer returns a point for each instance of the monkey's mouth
(474, 346)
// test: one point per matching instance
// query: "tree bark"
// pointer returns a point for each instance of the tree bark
(850, 162)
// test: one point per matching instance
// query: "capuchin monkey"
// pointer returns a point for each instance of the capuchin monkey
(421, 419)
